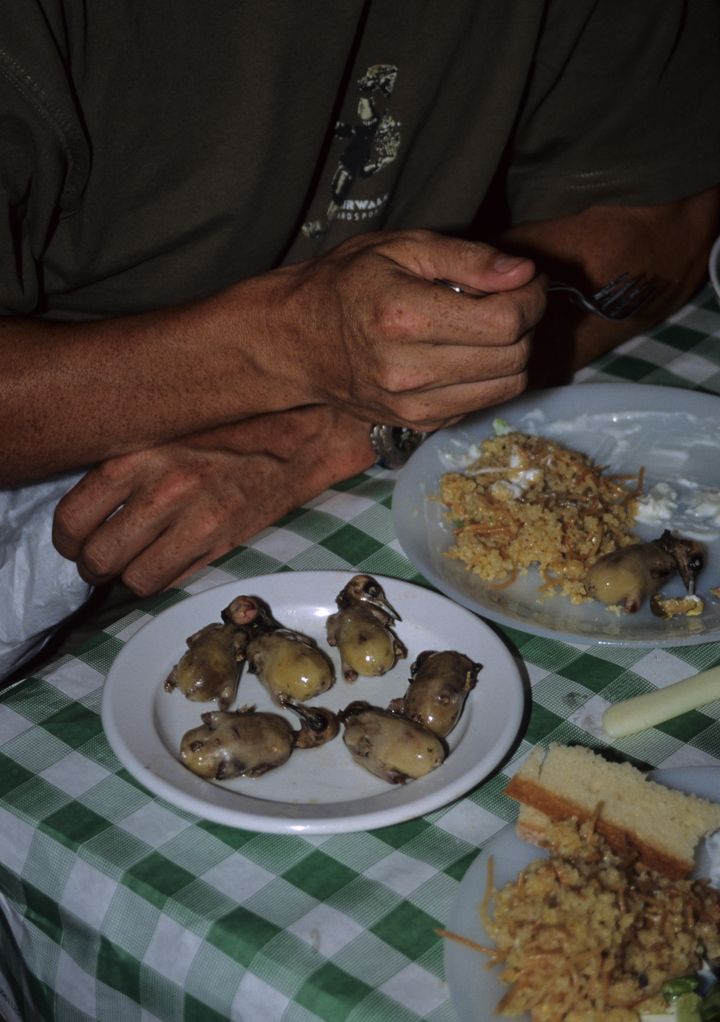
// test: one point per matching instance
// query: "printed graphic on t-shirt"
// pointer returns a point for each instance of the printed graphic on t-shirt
(372, 142)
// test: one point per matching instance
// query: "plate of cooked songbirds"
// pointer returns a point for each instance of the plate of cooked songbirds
(313, 702)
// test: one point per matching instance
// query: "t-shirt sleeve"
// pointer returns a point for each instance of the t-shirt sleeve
(622, 107)
(43, 158)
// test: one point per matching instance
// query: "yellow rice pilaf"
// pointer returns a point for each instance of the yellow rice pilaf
(590, 936)
(527, 500)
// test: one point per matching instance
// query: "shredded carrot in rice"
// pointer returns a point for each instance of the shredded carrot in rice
(528, 501)
(504, 583)
(590, 936)
(472, 944)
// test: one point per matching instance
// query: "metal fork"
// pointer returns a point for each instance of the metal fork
(622, 297)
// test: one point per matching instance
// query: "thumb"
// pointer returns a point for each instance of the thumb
(510, 271)
(481, 267)
(494, 271)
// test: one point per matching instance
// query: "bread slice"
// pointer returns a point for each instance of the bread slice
(633, 813)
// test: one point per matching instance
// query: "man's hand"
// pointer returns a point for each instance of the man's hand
(155, 516)
(362, 328)
(370, 331)
(668, 244)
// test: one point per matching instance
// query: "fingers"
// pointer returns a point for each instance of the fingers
(154, 517)
(420, 411)
(173, 556)
(416, 312)
(477, 265)
(407, 305)
(390, 344)
(122, 508)
(147, 545)
(447, 355)
(85, 507)
(423, 396)
(426, 321)
(103, 547)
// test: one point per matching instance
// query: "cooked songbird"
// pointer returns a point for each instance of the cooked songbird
(245, 743)
(362, 629)
(388, 745)
(288, 663)
(211, 666)
(439, 685)
(632, 574)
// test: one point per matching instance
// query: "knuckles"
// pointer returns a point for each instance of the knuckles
(139, 582)
(66, 528)
(97, 563)
(511, 319)
(510, 387)
(211, 524)
(518, 356)
(508, 321)
(176, 486)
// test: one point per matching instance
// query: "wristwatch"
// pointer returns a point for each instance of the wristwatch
(394, 444)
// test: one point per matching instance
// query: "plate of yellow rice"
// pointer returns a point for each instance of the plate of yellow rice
(506, 511)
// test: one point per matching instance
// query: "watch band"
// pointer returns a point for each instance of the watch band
(394, 444)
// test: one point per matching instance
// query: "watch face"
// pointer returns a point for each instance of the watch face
(395, 444)
(407, 440)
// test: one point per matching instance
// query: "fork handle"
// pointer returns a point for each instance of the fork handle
(466, 289)
(460, 289)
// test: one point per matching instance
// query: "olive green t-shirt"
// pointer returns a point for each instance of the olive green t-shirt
(155, 151)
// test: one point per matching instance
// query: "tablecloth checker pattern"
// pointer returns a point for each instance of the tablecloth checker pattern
(683, 352)
(116, 905)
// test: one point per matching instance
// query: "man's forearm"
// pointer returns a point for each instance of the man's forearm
(362, 329)
(77, 393)
(668, 244)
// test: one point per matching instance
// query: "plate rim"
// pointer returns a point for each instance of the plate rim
(284, 818)
(471, 888)
(414, 550)
(714, 268)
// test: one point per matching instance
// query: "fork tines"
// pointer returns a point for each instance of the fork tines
(623, 296)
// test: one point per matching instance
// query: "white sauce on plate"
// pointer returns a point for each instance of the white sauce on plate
(689, 508)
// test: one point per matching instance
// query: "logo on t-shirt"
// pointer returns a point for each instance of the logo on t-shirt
(371, 143)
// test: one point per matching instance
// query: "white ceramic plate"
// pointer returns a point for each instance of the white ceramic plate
(673, 433)
(714, 269)
(476, 990)
(322, 790)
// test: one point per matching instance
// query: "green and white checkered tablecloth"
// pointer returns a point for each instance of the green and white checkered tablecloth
(116, 906)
